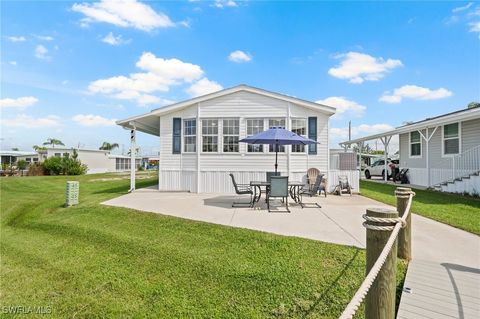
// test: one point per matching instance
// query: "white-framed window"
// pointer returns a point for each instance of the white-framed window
(280, 122)
(451, 139)
(210, 135)
(231, 134)
(254, 126)
(66, 154)
(299, 126)
(190, 135)
(58, 154)
(415, 144)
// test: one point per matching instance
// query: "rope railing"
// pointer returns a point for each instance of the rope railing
(359, 296)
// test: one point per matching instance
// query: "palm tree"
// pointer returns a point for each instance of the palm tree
(53, 142)
(39, 148)
(108, 146)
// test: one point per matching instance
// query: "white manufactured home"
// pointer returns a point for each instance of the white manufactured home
(441, 152)
(199, 138)
(97, 161)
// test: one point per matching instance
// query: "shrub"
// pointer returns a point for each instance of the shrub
(72, 166)
(36, 169)
(53, 165)
(22, 164)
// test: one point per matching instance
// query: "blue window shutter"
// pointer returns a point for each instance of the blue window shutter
(177, 136)
(312, 134)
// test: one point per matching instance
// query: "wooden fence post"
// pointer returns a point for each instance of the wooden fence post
(380, 300)
(405, 235)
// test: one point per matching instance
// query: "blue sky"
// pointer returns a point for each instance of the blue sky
(69, 69)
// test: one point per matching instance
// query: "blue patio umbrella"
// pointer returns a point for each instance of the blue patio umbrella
(278, 136)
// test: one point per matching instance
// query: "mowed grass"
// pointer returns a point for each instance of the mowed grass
(95, 261)
(452, 209)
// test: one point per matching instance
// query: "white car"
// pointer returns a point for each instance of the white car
(378, 168)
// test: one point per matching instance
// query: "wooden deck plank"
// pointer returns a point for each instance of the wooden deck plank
(440, 290)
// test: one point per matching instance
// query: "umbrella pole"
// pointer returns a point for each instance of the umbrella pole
(276, 158)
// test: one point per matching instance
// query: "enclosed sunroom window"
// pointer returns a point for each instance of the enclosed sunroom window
(254, 126)
(231, 133)
(210, 135)
(299, 126)
(276, 123)
(415, 144)
(451, 139)
(190, 135)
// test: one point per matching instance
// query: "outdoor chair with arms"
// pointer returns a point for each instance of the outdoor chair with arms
(343, 186)
(242, 189)
(278, 189)
(312, 174)
(311, 191)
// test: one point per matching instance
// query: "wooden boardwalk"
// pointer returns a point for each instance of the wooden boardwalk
(437, 290)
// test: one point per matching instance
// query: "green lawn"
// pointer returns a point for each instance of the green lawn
(452, 209)
(93, 261)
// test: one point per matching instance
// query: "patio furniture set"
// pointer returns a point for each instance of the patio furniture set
(277, 186)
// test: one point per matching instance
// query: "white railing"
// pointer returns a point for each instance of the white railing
(456, 166)
(466, 163)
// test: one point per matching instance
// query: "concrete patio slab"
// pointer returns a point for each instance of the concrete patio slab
(338, 221)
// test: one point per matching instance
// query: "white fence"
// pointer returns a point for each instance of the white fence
(220, 182)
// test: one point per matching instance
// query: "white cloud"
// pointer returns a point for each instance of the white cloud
(160, 74)
(123, 13)
(465, 7)
(343, 106)
(26, 121)
(239, 56)
(114, 40)
(41, 52)
(414, 92)
(21, 102)
(474, 26)
(171, 69)
(203, 86)
(93, 120)
(13, 63)
(224, 3)
(359, 67)
(17, 39)
(45, 37)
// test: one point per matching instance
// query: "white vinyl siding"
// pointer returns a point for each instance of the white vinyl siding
(299, 126)
(190, 135)
(415, 144)
(451, 139)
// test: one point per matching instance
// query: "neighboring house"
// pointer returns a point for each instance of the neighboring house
(11, 157)
(97, 161)
(199, 138)
(441, 152)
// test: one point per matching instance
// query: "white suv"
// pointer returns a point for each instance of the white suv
(378, 168)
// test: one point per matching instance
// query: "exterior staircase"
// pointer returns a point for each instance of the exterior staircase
(465, 173)
(466, 184)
